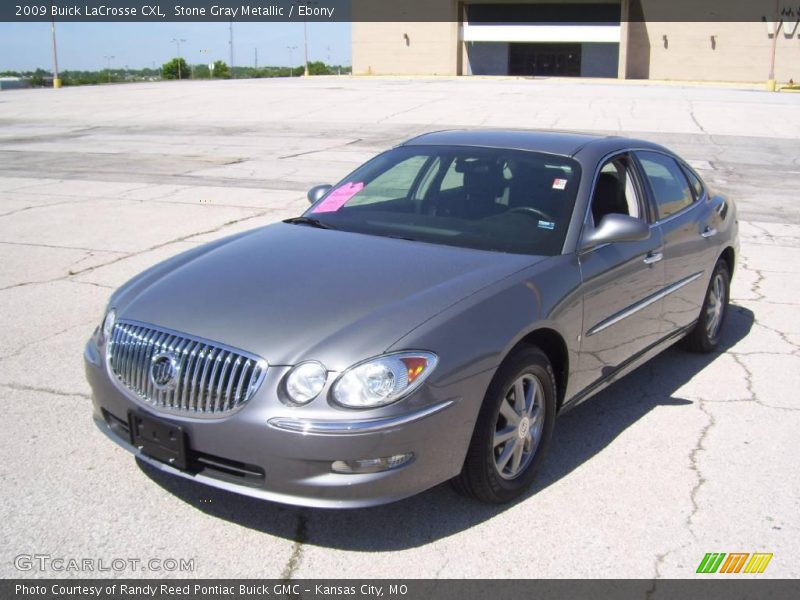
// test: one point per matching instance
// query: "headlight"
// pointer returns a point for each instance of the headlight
(108, 324)
(383, 380)
(305, 382)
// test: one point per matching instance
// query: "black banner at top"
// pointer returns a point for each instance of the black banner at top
(478, 12)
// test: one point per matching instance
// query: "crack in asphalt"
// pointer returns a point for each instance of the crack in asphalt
(750, 389)
(35, 206)
(694, 465)
(71, 274)
(27, 345)
(695, 121)
(326, 149)
(700, 446)
(657, 567)
(300, 537)
(755, 287)
(411, 109)
(45, 390)
(58, 247)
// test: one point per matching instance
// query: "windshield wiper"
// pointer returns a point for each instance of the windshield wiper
(401, 237)
(308, 221)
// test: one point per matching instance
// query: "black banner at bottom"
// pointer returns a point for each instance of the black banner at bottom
(710, 588)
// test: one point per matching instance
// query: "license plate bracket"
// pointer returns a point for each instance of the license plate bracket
(159, 439)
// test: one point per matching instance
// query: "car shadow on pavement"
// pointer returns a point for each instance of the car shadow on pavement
(438, 513)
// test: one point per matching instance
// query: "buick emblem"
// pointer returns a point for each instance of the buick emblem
(164, 371)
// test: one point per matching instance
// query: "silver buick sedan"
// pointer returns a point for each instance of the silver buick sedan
(425, 320)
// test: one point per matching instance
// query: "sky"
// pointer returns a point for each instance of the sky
(83, 46)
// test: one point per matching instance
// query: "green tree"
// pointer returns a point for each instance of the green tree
(221, 70)
(175, 69)
(317, 67)
(37, 77)
(201, 71)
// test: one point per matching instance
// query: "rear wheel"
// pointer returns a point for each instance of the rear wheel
(513, 430)
(706, 333)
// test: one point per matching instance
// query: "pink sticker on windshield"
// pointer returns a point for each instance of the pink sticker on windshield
(338, 197)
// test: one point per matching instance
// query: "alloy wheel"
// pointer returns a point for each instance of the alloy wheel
(715, 307)
(519, 426)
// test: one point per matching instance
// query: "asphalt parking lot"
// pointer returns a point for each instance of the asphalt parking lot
(690, 454)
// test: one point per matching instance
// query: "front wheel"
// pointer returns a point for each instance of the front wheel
(707, 332)
(513, 430)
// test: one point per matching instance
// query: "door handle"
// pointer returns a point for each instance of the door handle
(709, 232)
(653, 257)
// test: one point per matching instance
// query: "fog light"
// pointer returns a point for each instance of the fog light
(371, 465)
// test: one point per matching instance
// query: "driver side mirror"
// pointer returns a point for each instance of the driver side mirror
(317, 192)
(615, 228)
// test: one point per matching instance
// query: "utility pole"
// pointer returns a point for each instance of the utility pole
(255, 62)
(56, 79)
(108, 66)
(305, 36)
(202, 59)
(178, 45)
(231, 43)
(305, 44)
(771, 76)
(291, 62)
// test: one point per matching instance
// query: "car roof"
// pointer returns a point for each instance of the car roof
(565, 143)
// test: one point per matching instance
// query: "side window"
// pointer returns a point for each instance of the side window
(615, 191)
(670, 186)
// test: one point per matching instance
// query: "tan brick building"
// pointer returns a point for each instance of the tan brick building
(611, 38)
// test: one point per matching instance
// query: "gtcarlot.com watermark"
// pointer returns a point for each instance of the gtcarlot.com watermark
(48, 563)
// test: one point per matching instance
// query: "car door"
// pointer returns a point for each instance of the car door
(621, 281)
(687, 223)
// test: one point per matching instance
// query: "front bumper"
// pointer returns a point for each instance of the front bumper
(275, 452)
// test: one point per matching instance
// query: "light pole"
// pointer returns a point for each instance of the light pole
(291, 62)
(202, 59)
(231, 43)
(771, 76)
(177, 43)
(56, 79)
(108, 66)
(305, 36)
(305, 45)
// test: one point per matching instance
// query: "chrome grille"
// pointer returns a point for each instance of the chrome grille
(208, 379)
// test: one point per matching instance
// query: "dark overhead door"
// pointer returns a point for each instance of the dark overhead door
(556, 60)
(545, 12)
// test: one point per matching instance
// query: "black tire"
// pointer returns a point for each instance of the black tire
(481, 477)
(702, 338)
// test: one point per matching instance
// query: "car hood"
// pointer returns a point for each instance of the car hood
(292, 292)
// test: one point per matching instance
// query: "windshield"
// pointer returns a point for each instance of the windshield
(483, 198)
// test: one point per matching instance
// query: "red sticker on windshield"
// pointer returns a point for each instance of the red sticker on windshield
(338, 197)
(559, 184)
